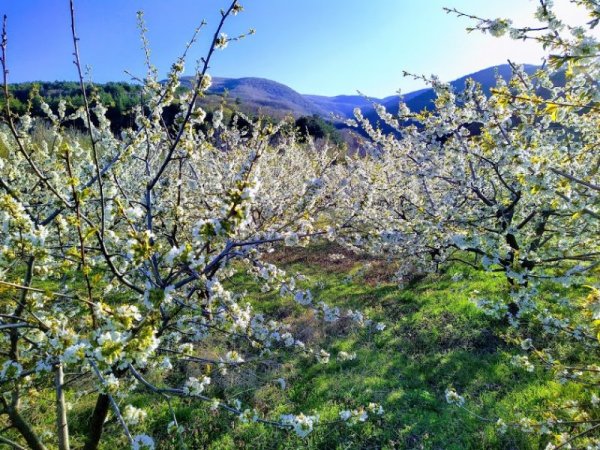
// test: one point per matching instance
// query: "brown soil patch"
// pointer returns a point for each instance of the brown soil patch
(381, 271)
(333, 258)
(322, 257)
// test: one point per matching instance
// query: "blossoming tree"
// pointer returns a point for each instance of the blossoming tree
(508, 182)
(115, 250)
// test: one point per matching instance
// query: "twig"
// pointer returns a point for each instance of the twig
(88, 116)
(13, 444)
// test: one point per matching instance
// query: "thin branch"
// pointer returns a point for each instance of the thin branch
(88, 116)
(13, 444)
(583, 433)
(192, 104)
(576, 180)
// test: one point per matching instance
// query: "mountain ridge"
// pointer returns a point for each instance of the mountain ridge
(264, 96)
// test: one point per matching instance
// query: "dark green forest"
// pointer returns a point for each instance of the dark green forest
(120, 98)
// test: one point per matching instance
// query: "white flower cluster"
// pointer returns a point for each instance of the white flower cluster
(526, 425)
(174, 253)
(111, 384)
(501, 426)
(249, 415)
(74, 353)
(527, 344)
(345, 356)
(330, 314)
(323, 356)
(453, 398)
(498, 27)
(301, 424)
(361, 414)
(234, 357)
(10, 370)
(270, 332)
(303, 297)
(492, 308)
(133, 415)
(143, 442)
(221, 41)
(195, 387)
(522, 362)
(291, 239)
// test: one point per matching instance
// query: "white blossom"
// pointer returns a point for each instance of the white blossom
(194, 386)
(301, 424)
(133, 415)
(453, 398)
(143, 442)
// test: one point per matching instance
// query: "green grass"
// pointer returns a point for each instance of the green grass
(435, 338)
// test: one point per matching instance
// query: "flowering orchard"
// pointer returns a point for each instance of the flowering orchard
(117, 252)
(114, 250)
(508, 182)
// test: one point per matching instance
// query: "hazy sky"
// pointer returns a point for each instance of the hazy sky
(326, 47)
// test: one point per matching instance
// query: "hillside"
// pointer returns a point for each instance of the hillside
(252, 96)
(259, 95)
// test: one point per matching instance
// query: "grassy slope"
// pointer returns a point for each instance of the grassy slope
(435, 338)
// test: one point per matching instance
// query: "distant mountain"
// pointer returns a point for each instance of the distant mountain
(406, 97)
(419, 100)
(252, 96)
(259, 95)
(344, 105)
(341, 105)
(485, 77)
(262, 95)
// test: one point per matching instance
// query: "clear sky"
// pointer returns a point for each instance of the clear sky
(326, 47)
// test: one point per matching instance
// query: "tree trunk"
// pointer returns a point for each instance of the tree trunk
(62, 426)
(97, 422)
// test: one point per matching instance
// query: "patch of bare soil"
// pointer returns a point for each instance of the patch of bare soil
(380, 271)
(333, 258)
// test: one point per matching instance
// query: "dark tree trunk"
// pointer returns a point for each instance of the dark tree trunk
(25, 429)
(96, 422)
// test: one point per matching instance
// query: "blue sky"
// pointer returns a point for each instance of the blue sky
(326, 47)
